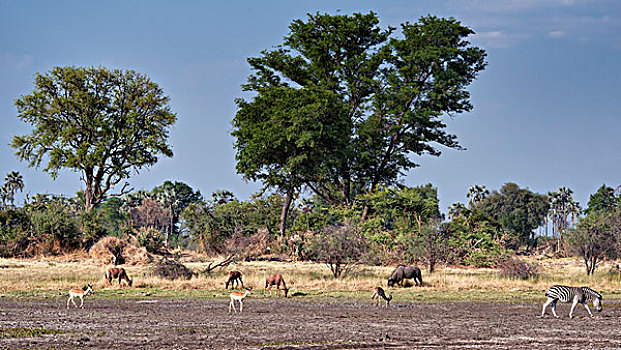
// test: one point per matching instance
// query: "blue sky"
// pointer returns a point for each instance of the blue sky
(546, 109)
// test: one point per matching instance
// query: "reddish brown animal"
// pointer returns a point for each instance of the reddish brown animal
(276, 280)
(118, 272)
(234, 277)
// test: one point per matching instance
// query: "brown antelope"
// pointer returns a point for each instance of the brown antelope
(379, 293)
(234, 277)
(118, 272)
(239, 296)
(275, 280)
(81, 293)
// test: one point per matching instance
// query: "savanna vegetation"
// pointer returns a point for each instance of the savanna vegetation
(339, 111)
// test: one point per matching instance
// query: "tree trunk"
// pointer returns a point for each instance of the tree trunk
(365, 212)
(285, 211)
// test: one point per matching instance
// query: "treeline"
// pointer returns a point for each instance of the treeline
(402, 224)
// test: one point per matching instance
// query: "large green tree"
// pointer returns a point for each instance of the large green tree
(285, 136)
(603, 200)
(592, 239)
(384, 95)
(518, 210)
(102, 123)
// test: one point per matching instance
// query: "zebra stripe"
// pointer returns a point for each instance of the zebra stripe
(574, 295)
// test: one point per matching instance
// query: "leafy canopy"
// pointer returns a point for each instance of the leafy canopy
(100, 122)
(347, 103)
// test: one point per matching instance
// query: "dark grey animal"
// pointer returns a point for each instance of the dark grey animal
(403, 272)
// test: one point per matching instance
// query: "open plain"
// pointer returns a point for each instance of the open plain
(456, 308)
(303, 323)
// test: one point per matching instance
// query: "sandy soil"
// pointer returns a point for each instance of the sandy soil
(294, 323)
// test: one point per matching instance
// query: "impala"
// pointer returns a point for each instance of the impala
(379, 293)
(81, 293)
(239, 296)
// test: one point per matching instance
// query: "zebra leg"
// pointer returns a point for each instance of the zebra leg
(587, 307)
(573, 306)
(543, 312)
(554, 309)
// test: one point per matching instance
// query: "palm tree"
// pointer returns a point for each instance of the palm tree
(562, 207)
(13, 183)
(168, 198)
(456, 210)
(4, 195)
(476, 194)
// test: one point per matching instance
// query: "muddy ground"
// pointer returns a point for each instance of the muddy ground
(295, 323)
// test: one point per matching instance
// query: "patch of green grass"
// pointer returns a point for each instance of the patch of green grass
(23, 332)
(400, 295)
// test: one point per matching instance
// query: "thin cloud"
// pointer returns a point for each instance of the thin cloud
(557, 34)
(494, 38)
(16, 62)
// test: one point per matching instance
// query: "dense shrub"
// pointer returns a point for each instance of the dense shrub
(55, 229)
(172, 270)
(519, 269)
(151, 238)
(339, 247)
(248, 247)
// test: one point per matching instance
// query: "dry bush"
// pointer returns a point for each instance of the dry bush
(518, 269)
(249, 247)
(150, 214)
(105, 249)
(172, 269)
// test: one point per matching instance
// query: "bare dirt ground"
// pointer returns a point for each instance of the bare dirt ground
(295, 323)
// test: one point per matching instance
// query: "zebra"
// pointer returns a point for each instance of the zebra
(572, 294)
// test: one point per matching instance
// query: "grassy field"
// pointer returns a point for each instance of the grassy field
(46, 278)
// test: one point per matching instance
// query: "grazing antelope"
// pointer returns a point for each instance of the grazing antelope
(379, 292)
(81, 293)
(234, 277)
(239, 296)
(275, 280)
(118, 272)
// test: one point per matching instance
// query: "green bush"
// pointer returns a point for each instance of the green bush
(151, 238)
(54, 221)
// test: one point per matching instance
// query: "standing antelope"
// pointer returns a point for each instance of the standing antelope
(118, 272)
(239, 296)
(379, 292)
(275, 280)
(234, 277)
(81, 293)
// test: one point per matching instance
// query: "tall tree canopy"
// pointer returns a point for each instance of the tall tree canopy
(350, 102)
(604, 200)
(518, 210)
(100, 122)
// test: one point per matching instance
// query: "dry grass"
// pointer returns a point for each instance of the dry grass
(32, 276)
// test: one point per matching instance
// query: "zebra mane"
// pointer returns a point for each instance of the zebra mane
(591, 292)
